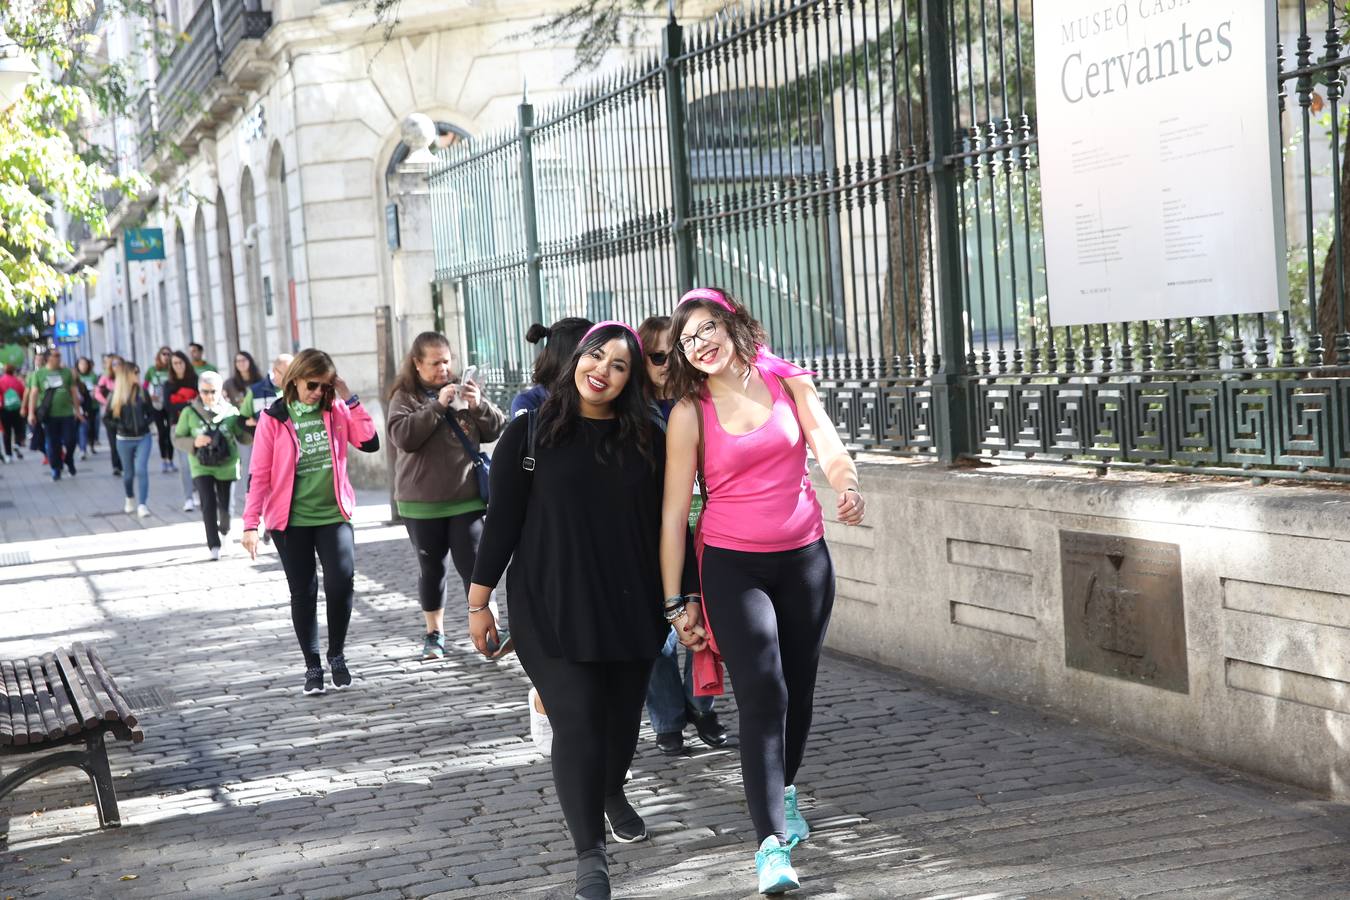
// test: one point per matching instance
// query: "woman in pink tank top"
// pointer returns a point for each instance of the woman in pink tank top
(744, 423)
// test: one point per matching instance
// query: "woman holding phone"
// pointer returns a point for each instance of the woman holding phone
(438, 422)
(298, 485)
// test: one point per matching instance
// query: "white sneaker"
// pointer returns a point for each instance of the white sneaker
(188, 505)
(83, 456)
(142, 511)
(215, 553)
(541, 731)
(129, 506)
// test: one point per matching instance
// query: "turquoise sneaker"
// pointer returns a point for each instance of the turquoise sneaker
(797, 829)
(774, 864)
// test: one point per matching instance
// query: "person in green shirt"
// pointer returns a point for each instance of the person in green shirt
(208, 422)
(197, 353)
(437, 422)
(88, 429)
(55, 401)
(239, 391)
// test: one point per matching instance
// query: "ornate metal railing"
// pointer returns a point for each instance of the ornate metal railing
(866, 176)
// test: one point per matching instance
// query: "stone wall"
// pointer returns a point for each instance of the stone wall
(958, 576)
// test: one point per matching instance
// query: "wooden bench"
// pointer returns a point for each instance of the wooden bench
(59, 699)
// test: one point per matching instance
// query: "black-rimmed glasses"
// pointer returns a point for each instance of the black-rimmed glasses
(704, 333)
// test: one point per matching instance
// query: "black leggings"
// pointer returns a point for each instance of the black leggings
(215, 496)
(595, 709)
(162, 427)
(297, 546)
(769, 612)
(14, 423)
(438, 543)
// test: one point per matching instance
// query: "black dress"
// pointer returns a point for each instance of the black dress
(582, 534)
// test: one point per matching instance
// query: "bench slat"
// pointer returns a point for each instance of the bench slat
(64, 708)
(81, 700)
(103, 702)
(124, 710)
(52, 728)
(32, 716)
(8, 699)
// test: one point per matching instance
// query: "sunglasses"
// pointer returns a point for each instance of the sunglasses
(315, 385)
(658, 358)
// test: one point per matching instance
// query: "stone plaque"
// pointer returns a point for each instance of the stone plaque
(1123, 614)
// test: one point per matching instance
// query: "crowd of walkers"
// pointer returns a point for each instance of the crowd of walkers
(648, 502)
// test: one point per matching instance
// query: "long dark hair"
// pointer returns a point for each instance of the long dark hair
(562, 337)
(746, 337)
(236, 387)
(560, 412)
(189, 378)
(407, 380)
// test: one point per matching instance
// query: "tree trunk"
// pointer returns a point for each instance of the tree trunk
(908, 281)
(1329, 322)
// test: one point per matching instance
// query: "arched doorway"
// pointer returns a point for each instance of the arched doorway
(253, 288)
(181, 271)
(282, 245)
(225, 249)
(200, 254)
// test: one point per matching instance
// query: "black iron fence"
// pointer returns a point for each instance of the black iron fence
(864, 173)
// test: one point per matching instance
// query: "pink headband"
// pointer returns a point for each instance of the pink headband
(712, 295)
(605, 324)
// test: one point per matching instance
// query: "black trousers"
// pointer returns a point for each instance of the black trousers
(298, 545)
(440, 542)
(15, 426)
(165, 437)
(769, 612)
(595, 709)
(215, 496)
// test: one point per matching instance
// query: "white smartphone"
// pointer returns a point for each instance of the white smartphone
(470, 374)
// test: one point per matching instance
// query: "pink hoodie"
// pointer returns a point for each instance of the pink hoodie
(276, 450)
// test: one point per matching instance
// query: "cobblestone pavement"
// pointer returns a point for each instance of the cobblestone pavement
(421, 781)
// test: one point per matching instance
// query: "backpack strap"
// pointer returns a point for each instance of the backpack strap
(698, 472)
(527, 461)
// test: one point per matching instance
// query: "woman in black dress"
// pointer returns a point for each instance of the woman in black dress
(580, 509)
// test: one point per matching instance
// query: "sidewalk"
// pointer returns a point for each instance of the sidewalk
(421, 780)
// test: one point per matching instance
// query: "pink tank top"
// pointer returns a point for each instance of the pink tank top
(760, 498)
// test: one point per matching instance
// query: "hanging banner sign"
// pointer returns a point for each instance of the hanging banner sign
(144, 243)
(1159, 156)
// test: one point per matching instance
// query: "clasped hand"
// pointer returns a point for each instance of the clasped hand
(689, 629)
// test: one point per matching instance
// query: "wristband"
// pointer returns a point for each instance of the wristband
(352, 400)
(674, 613)
(674, 600)
(474, 609)
(854, 490)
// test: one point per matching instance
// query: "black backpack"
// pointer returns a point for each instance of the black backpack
(217, 452)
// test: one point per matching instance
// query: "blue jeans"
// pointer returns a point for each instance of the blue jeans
(60, 438)
(135, 456)
(667, 693)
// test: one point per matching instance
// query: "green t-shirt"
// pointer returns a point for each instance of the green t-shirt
(438, 509)
(61, 379)
(314, 501)
(203, 366)
(190, 424)
(155, 378)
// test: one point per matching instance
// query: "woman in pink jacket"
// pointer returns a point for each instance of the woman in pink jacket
(298, 487)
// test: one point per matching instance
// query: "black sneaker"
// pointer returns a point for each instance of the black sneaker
(70, 467)
(624, 822)
(341, 677)
(671, 743)
(710, 731)
(314, 680)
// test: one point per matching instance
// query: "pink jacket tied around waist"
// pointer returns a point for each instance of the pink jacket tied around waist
(276, 451)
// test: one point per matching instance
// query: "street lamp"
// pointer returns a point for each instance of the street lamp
(16, 69)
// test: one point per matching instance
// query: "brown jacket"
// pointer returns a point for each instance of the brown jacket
(431, 465)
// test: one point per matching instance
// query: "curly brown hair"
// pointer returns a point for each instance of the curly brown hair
(746, 334)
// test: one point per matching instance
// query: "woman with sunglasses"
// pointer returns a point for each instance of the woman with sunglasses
(576, 511)
(179, 390)
(157, 375)
(298, 487)
(214, 470)
(671, 702)
(743, 425)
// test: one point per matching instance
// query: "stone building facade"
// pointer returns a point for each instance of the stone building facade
(273, 137)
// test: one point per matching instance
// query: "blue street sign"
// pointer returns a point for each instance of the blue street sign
(70, 331)
(144, 243)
